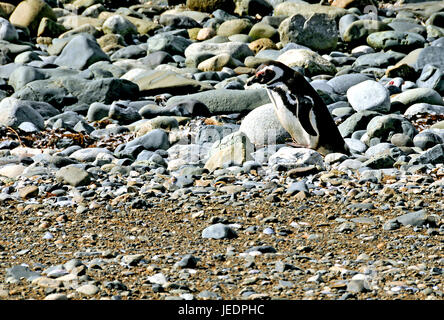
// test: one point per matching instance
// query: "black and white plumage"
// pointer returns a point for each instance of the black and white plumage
(299, 108)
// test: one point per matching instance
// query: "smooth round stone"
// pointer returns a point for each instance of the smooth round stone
(355, 146)
(424, 109)
(369, 95)
(426, 140)
(312, 62)
(262, 126)
(381, 126)
(418, 95)
(7, 31)
(244, 38)
(431, 77)
(118, 24)
(401, 140)
(343, 112)
(359, 30)
(350, 164)
(234, 26)
(341, 84)
(88, 289)
(263, 30)
(395, 40)
(377, 149)
(219, 231)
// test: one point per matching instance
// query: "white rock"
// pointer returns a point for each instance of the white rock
(369, 95)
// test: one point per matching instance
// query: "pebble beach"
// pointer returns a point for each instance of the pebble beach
(136, 163)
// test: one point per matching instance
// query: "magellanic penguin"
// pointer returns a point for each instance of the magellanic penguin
(299, 108)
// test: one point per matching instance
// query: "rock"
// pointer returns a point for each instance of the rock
(369, 95)
(433, 55)
(257, 46)
(237, 50)
(289, 8)
(395, 40)
(263, 30)
(19, 272)
(168, 43)
(416, 218)
(290, 158)
(88, 289)
(419, 109)
(358, 31)
(213, 133)
(153, 140)
(426, 140)
(253, 7)
(357, 121)
(188, 261)
(73, 176)
(81, 52)
(401, 140)
(433, 155)
(234, 26)
(418, 95)
(234, 148)
(318, 32)
(218, 62)
(262, 126)
(65, 91)
(377, 60)
(157, 81)
(88, 154)
(7, 31)
(358, 285)
(382, 126)
(28, 14)
(160, 122)
(219, 231)
(224, 101)
(210, 5)
(342, 83)
(28, 192)
(432, 77)
(15, 112)
(118, 24)
(50, 28)
(123, 113)
(311, 61)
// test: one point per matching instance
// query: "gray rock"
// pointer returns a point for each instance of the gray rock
(395, 40)
(357, 286)
(369, 95)
(88, 289)
(19, 272)
(431, 77)
(419, 109)
(426, 140)
(62, 92)
(290, 158)
(433, 155)
(342, 83)
(7, 31)
(153, 140)
(433, 55)
(73, 176)
(168, 43)
(188, 261)
(118, 24)
(355, 122)
(418, 95)
(318, 31)
(416, 219)
(81, 52)
(14, 112)
(88, 154)
(236, 50)
(355, 146)
(262, 126)
(383, 127)
(223, 101)
(123, 113)
(213, 133)
(377, 59)
(296, 187)
(97, 111)
(219, 231)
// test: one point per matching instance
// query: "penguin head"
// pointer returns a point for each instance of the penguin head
(273, 73)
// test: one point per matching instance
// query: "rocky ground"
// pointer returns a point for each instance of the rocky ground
(136, 164)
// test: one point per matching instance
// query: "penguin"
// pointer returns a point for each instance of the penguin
(300, 109)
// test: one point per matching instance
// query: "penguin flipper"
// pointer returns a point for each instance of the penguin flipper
(304, 106)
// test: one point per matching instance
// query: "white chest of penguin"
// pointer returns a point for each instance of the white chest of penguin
(291, 122)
